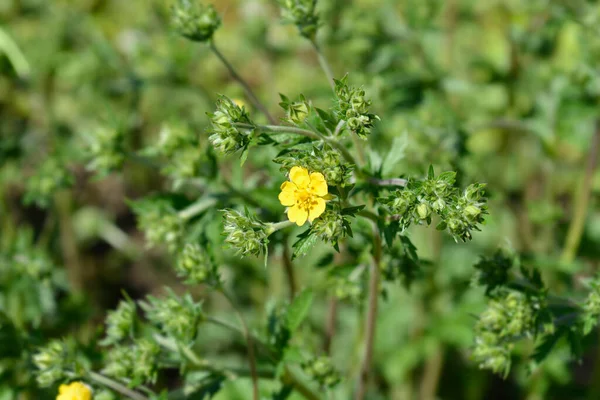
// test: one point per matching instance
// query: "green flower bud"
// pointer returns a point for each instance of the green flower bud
(354, 108)
(195, 21)
(439, 205)
(330, 226)
(50, 177)
(178, 317)
(120, 323)
(106, 151)
(145, 361)
(472, 212)
(297, 112)
(196, 266)
(160, 223)
(591, 306)
(303, 14)
(226, 137)
(423, 211)
(322, 371)
(119, 363)
(245, 233)
(53, 362)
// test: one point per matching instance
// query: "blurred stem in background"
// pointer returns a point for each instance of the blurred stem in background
(581, 202)
(238, 78)
(371, 317)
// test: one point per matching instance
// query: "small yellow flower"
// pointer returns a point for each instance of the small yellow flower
(304, 195)
(74, 391)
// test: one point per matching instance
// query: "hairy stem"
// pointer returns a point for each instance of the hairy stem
(330, 324)
(388, 182)
(197, 207)
(371, 318)
(303, 132)
(324, 64)
(250, 345)
(116, 386)
(582, 201)
(288, 266)
(255, 101)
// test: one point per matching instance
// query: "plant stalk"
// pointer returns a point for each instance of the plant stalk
(250, 345)
(116, 386)
(371, 319)
(577, 225)
(255, 101)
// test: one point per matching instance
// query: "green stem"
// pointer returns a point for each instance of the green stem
(255, 101)
(581, 203)
(371, 319)
(196, 208)
(274, 227)
(290, 378)
(303, 132)
(388, 182)
(324, 64)
(250, 345)
(14, 54)
(288, 266)
(116, 386)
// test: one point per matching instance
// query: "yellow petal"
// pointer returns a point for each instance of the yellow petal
(318, 185)
(300, 177)
(287, 198)
(287, 185)
(318, 207)
(297, 215)
(63, 388)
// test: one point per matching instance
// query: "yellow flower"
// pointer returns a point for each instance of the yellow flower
(74, 391)
(304, 195)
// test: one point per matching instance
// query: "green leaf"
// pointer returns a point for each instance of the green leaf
(430, 173)
(396, 153)
(305, 241)
(298, 310)
(352, 210)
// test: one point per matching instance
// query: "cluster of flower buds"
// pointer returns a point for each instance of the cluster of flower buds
(53, 362)
(50, 177)
(106, 150)
(245, 233)
(195, 21)
(460, 213)
(196, 266)
(353, 107)
(137, 363)
(591, 306)
(330, 226)
(178, 317)
(181, 149)
(226, 137)
(322, 371)
(160, 223)
(303, 14)
(510, 316)
(120, 323)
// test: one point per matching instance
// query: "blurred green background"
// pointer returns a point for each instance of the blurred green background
(502, 91)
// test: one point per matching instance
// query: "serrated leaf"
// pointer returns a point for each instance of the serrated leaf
(298, 310)
(305, 241)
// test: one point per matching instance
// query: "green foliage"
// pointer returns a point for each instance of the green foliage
(114, 180)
